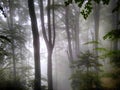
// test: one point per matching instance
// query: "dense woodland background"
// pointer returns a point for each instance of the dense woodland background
(59, 45)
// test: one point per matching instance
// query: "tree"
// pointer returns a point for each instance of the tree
(49, 37)
(84, 76)
(114, 35)
(36, 45)
(70, 52)
(96, 26)
(11, 30)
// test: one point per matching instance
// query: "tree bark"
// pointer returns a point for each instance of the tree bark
(96, 21)
(49, 37)
(36, 45)
(115, 24)
(49, 69)
(70, 55)
(77, 40)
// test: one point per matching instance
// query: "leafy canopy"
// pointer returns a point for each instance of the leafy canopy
(86, 5)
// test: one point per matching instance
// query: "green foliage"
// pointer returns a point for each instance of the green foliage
(115, 58)
(7, 83)
(113, 54)
(85, 74)
(84, 81)
(86, 60)
(12, 85)
(92, 42)
(108, 74)
(101, 49)
(113, 35)
(86, 5)
(43, 87)
(87, 9)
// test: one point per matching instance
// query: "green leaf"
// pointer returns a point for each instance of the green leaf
(101, 49)
(112, 35)
(87, 8)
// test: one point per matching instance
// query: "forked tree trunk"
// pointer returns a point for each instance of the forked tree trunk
(49, 37)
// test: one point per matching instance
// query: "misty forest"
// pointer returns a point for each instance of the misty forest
(59, 44)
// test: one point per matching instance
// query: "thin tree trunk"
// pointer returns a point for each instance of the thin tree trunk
(49, 69)
(96, 21)
(36, 45)
(115, 23)
(70, 55)
(77, 45)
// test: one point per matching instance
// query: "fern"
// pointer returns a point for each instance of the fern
(113, 35)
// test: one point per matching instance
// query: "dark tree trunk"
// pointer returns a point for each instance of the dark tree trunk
(36, 45)
(115, 24)
(49, 37)
(49, 69)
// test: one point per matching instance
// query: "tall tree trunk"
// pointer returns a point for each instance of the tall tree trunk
(96, 24)
(36, 45)
(116, 42)
(49, 37)
(115, 23)
(77, 40)
(49, 69)
(70, 55)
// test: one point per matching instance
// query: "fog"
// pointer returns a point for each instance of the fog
(46, 45)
